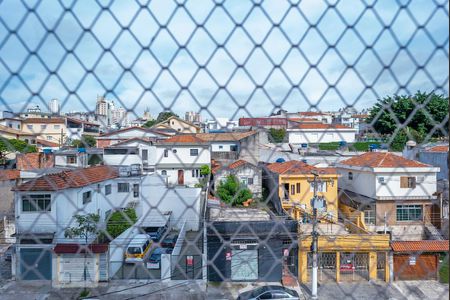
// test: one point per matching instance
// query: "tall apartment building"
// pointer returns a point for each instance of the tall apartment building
(54, 107)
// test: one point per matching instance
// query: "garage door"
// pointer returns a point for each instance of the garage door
(35, 264)
(410, 267)
(72, 268)
(244, 265)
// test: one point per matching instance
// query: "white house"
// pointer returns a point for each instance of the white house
(125, 134)
(314, 133)
(180, 158)
(130, 152)
(77, 158)
(391, 190)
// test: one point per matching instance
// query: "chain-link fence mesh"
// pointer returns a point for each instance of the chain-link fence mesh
(291, 107)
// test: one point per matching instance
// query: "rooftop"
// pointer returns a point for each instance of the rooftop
(297, 167)
(224, 136)
(420, 246)
(46, 143)
(9, 174)
(320, 126)
(440, 148)
(183, 139)
(383, 160)
(69, 179)
(45, 120)
(216, 166)
(226, 214)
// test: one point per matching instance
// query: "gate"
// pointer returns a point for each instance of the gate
(35, 264)
(185, 267)
(354, 266)
(381, 265)
(327, 266)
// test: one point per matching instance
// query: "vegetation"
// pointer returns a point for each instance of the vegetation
(87, 227)
(87, 141)
(421, 114)
(362, 146)
(230, 191)
(329, 146)
(205, 170)
(277, 135)
(161, 117)
(119, 221)
(14, 145)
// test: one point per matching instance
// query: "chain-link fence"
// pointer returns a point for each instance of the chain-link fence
(203, 149)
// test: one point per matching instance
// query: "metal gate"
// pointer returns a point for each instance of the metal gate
(327, 266)
(354, 266)
(381, 265)
(35, 264)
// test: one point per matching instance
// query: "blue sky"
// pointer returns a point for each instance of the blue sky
(223, 58)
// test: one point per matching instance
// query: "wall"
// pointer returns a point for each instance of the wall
(185, 203)
(223, 146)
(182, 155)
(363, 183)
(31, 161)
(437, 159)
(117, 248)
(392, 187)
(249, 149)
(243, 172)
(7, 198)
(172, 175)
(320, 136)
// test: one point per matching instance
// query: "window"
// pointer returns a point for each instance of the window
(164, 172)
(43, 126)
(407, 182)
(123, 187)
(298, 187)
(87, 197)
(369, 217)
(292, 189)
(71, 159)
(250, 180)
(220, 147)
(233, 148)
(135, 190)
(36, 203)
(56, 126)
(409, 212)
(107, 189)
(195, 173)
(49, 138)
(166, 152)
(30, 126)
(194, 152)
(350, 176)
(321, 187)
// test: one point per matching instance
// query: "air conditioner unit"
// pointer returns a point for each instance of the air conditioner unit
(381, 180)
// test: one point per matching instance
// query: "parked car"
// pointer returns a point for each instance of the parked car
(154, 261)
(347, 267)
(156, 233)
(169, 241)
(269, 292)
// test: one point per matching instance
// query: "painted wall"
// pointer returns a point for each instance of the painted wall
(180, 155)
(320, 136)
(437, 159)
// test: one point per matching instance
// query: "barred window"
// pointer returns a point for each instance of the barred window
(409, 212)
(123, 187)
(87, 197)
(36, 203)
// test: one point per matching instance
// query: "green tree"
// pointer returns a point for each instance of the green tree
(87, 227)
(149, 123)
(277, 135)
(87, 141)
(161, 117)
(408, 110)
(119, 221)
(231, 191)
(14, 145)
(205, 170)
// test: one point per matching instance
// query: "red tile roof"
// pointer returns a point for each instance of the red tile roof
(441, 148)
(382, 160)
(9, 174)
(45, 120)
(215, 166)
(420, 246)
(69, 179)
(237, 164)
(311, 113)
(46, 143)
(224, 136)
(297, 167)
(309, 120)
(320, 126)
(76, 248)
(183, 139)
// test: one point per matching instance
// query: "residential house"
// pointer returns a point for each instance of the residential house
(11, 133)
(78, 157)
(114, 137)
(135, 151)
(245, 244)
(291, 189)
(248, 174)
(45, 208)
(177, 124)
(180, 158)
(315, 133)
(8, 179)
(11, 122)
(396, 194)
(231, 146)
(220, 124)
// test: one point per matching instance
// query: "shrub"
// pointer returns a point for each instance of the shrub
(231, 191)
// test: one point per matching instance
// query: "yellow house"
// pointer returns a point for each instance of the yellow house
(291, 183)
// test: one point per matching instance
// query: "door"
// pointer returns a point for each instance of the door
(244, 265)
(145, 157)
(180, 177)
(74, 268)
(35, 264)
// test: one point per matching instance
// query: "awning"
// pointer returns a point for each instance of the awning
(420, 246)
(77, 248)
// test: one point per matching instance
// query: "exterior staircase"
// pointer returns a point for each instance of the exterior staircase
(433, 232)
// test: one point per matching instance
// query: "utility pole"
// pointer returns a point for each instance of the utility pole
(314, 235)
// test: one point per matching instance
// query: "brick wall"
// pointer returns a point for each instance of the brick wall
(30, 161)
(103, 143)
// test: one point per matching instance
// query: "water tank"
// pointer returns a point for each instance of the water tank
(280, 160)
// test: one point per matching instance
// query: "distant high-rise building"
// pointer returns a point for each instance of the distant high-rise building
(192, 117)
(119, 116)
(54, 107)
